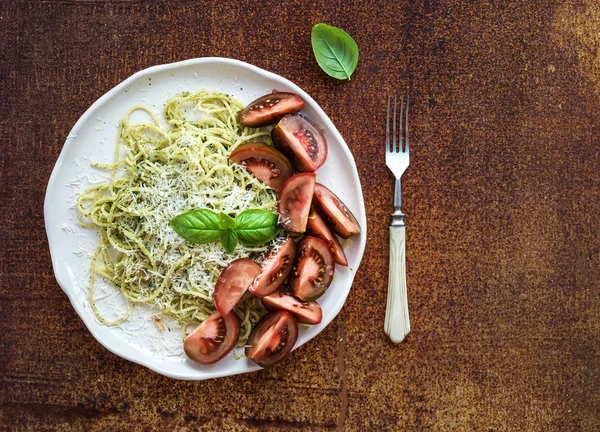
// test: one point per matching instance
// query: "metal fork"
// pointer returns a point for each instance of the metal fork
(397, 323)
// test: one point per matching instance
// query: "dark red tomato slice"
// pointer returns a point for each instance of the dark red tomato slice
(302, 141)
(273, 338)
(213, 339)
(335, 212)
(265, 162)
(268, 109)
(295, 198)
(313, 271)
(275, 269)
(317, 227)
(233, 282)
(305, 312)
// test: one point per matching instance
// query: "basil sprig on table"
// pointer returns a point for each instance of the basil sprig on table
(335, 51)
(253, 227)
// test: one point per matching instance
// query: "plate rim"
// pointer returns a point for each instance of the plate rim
(62, 281)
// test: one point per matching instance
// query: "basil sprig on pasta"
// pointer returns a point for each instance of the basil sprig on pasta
(253, 227)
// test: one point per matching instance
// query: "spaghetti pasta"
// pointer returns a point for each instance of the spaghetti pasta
(159, 172)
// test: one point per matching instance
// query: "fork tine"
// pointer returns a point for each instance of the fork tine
(387, 128)
(406, 135)
(394, 123)
(400, 121)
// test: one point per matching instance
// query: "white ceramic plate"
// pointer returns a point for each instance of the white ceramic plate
(93, 139)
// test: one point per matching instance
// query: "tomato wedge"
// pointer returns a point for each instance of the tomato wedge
(265, 162)
(213, 339)
(268, 109)
(275, 269)
(302, 141)
(313, 271)
(317, 227)
(335, 212)
(273, 338)
(233, 282)
(305, 312)
(295, 198)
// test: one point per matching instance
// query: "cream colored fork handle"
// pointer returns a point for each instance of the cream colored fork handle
(397, 323)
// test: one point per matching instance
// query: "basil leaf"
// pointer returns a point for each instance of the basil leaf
(256, 227)
(335, 50)
(198, 226)
(229, 240)
(251, 227)
(226, 222)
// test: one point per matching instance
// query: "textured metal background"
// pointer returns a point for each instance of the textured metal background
(502, 201)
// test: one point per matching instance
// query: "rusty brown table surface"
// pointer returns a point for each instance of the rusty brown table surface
(502, 200)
